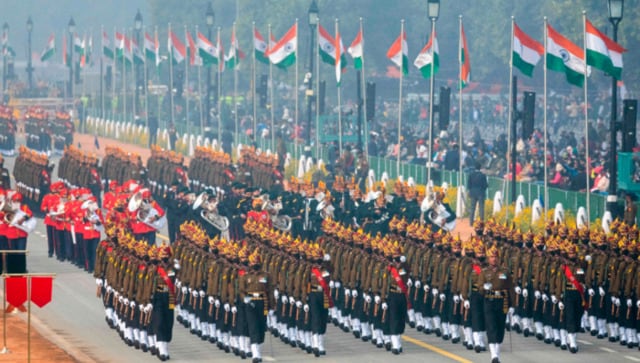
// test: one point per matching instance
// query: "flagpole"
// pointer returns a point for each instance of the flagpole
(586, 117)
(460, 148)
(185, 86)
(317, 79)
(400, 99)
(235, 83)
(364, 96)
(171, 76)
(113, 76)
(159, 104)
(273, 131)
(220, 60)
(199, 65)
(146, 81)
(102, 72)
(339, 98)
(431, 86)
(253, 83)
(134, 75)
(544, 102)
(83, 67)
(124, 76)
(505, 188)
(295, 128)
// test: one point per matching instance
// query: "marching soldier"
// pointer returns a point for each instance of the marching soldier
(254, 291)
(573, 296)
(163, 303)
(5, 177)
(396, 302)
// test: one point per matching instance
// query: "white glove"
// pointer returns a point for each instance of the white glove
(601, 291)
(511, 311)
(141, 307)
(545, 297)
(367, 298)
(125, 301)
(409, 283)
(537, 294)
(99, 282)
(178, 284)
(210, 299)
(425, 288)
(227, 307)
(384, 306)
(292, 300)
(148, 308)
(443, 297)
(306, 308)
(338, 284)
(613, 300)
(276, 293)
(560, 305)
(284, 299)
(617, 302)
(434, 292)
(638, 304)
(201, 292)
(132, 304)
(194, 293)
(592, 292)
(629, 303)
(418, 284)
(347, 292)
(247, 299)
(354, 293)
(456, 299)
(554, 299)
(487, 286)
(518, 290)
(525, 293)
(184, 290)
(298, 304)
(587, 258)
(234, 310)
(466, 304)
(109, 289)
(217, 303)
(332, 284)
(377, 299)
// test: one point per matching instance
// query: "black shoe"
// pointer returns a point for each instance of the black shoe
(526, 332)
(365, 338)
(419, 328)
(163, 357)
(412, 324)
(438, 332)
(469, 346)
(623, 342)
(199, 333)
(144, 348)
(557, 343)
(517, 328)
(316, 352)
(632, 345)
(582, 330)
(455, 340)
(427, 331)
(600, 336)
(275, 333)
(284, 339)
(136, 345)
(345, 328)
(540, 337)
(478, 349)
(204, 337)
(243, 355)
(212, 340)
(323, 352)
(594, 333)
(153, 350)
(563, 346)
(573, 350)
(236, 352)
(356, 334)
(395, 351)
(256, 360)
(379, 345)
(507, 327)
(612, 339)
(387, 346)
(227, 349)
(446, 337)
(495, 360)
(309, 350)
(548, 341)
(335, 321)
(292, 343)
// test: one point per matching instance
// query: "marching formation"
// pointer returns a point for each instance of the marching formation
(8, 129)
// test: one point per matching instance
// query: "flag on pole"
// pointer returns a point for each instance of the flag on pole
(207, 51)
(151, 48)
(65, 55)
(429, 55)
(602, 52)
(83, 55)
(355, 50)
(465, 61)
(49, 50)
(88, 51)
(326, 45)
(235, 54)
(107, 51)
(177, 50)
(526, 51)
(565, 56)
(123, 48)
(340, 58)
(283, 53)
(260, 46)
(194, 58)
(398, 53)
(220, 55)
(78, 44)
(138, 57)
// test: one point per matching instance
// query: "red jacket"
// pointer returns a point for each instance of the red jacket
(15, 232)
(90, 231)
(138, 227)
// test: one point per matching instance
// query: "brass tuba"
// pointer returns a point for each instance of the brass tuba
(281, 222)
(144, 211)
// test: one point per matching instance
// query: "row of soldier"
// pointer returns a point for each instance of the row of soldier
(119, 165)
(8, 129)
(77, 168)
(32, 173)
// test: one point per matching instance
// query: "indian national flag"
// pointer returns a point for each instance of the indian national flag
(283, 53)
(398, 53)
(107, 51)
(340, 58)
(49, 50)
(602, 52)
(465, 61)
(151, 48)
(235, 54)
(355, 49)
(326, 45)
(259, 46)
(565, 56)
(176, 48)
(65, 56)
(207, 51)
(78, 44)
(526, 51)
(138, 57)
(428, 58)
(123, 48)
(194, 58)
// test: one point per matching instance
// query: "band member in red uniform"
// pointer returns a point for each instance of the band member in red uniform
(93, 222)
(51, 207)
(144, 230)
(259, 214)
(20, 224)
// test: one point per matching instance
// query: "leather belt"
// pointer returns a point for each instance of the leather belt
(495, 294)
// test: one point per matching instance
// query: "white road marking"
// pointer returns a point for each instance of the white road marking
(607, 350)
(268, 359)
(635, 359)
(585, 342)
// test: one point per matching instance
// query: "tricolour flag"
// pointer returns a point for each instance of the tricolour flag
(398, 53)
(207, 51)
(235, 54)
(428, 58)
(526, 51)
(123, 48)
(78, 44)
(565, 56)
(260, 46)
(465, 61)
(326, 46)
(283, 53)
(602, 52)
(65, 55)
(49, 50)
(138, 57)
(355, 49)
(194, 58)
(151, 48)
(107, 51)
(177, 50)
(340, 58)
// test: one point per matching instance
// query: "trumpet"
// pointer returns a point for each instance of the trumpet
(145, 213)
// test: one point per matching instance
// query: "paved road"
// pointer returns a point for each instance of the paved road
(75, 322)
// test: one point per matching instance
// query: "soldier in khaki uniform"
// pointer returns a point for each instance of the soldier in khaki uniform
(254, 290)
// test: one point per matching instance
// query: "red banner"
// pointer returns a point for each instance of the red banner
(41, 290)
(16, 290)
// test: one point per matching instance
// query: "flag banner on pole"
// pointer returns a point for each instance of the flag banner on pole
(177, 49)
(355, 50)
(527, 52)
(78, 44)
(123, 48)
(260, 46)
(65, 55)
(150, 47)
(83, 54)
(194, 58)
(16, 287)
(41, 290)
(107, 50)
(235, 54)
(565, 56)
(283, 53)
(220, 55)
(88, 50)
(49, 49)
(138, 57)
(326, 46)
(398, 53)
(429, 55)
(340, 58)
(465, 61)
(602, 52)
(207, 51)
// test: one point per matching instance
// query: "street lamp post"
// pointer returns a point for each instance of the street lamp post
(210, 17)
(137, 25)
(616, 8)
(433, 11)
(72, 30)
(5, 37)
(313, 23)
(29, 64)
